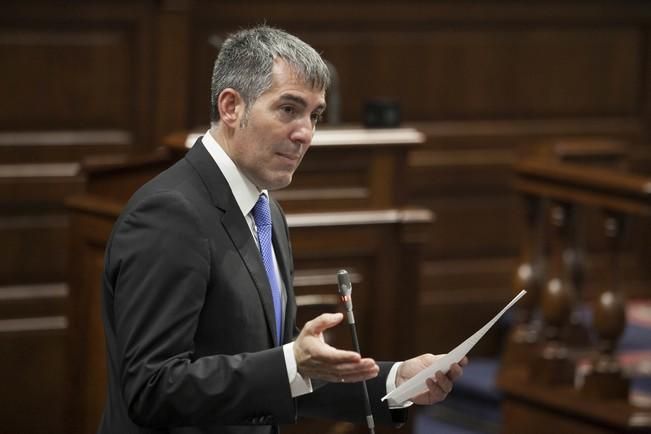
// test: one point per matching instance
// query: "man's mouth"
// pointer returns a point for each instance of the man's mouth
(291, 157)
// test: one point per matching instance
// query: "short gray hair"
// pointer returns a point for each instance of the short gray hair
(246, 59)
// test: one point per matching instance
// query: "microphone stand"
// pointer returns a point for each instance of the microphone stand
(345, 290)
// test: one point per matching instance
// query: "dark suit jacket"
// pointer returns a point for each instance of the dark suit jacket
(189, 318)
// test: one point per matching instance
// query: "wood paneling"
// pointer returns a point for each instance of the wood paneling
(41, 61)
(33, 221)
(464, 71)
(76, 82)
(33, 333)
(485, 80)
(33, 248)
(87, 364)
(566, 61)
(76, 66)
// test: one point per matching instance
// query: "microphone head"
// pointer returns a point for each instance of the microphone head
(343, 280)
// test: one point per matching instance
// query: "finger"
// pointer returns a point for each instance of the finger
(360, 367)
(463, 362)
(356, 378)
(324, 353)
(455, 372)
(358, 371)
(435, 390)
(363, 368)
(346, 377)
(434, 393)
(443, 382)
(348, 367)
(323, 322)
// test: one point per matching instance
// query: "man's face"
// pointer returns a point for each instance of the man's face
(273, 136)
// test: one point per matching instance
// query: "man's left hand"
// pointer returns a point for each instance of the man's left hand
(438, 386)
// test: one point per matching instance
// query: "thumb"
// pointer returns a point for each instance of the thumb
(323, 322)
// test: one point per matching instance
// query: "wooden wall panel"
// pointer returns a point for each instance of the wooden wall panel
(93, 399)
(33, 221)
(495, 62)
(75, 80)
(76, 66)
(461, 71)
(33, 366)
(58, 147)
(485, 80)
(87, 362)
(51, 97)
(33, 248)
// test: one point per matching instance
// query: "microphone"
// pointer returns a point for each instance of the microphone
(345, 291)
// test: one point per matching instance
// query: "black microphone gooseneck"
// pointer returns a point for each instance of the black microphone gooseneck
(345, 290)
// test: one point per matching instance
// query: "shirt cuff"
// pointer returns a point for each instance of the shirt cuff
(391, 386)
(297, 384)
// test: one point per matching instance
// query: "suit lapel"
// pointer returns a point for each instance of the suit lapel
(235, 226)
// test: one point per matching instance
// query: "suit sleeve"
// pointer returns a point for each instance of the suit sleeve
(159, 264)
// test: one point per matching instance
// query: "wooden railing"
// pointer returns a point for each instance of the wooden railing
(539, 368)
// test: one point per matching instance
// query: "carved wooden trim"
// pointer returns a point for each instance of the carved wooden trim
(360, 217)
(322, 277)
(67, 138)
(30, 292)
(44, 170)
(322, 193)
(45, 323)
(325, 136)
(316, 300)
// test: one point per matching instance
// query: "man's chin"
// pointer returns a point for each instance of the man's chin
(279, 182)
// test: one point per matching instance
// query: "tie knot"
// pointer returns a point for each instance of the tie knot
(261, 212)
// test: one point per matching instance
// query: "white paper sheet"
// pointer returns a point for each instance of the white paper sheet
(416, 385)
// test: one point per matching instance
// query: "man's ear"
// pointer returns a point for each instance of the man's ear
(230, 106)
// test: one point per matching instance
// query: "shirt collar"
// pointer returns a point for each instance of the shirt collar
(245, 192)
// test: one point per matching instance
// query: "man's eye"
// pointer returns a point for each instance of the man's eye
(317, 117)
(288, 110)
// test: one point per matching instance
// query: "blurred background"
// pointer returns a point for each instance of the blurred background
(510, 140)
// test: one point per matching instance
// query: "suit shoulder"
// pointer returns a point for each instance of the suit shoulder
(180, 178)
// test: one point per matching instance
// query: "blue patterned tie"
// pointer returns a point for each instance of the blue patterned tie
(262, 217)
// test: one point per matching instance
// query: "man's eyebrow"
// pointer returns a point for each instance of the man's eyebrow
(288, 97)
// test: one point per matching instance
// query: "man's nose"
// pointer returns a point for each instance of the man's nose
(303, 132)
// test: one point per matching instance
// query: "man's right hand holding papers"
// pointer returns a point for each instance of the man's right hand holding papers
(428, 379)
(437, 387)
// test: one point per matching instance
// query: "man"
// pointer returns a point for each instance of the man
(198, 304)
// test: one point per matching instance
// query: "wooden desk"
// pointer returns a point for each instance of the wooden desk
(344, 169)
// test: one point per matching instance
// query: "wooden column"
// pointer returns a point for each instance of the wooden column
(605, 379)
(525, 334)
(553, 364)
